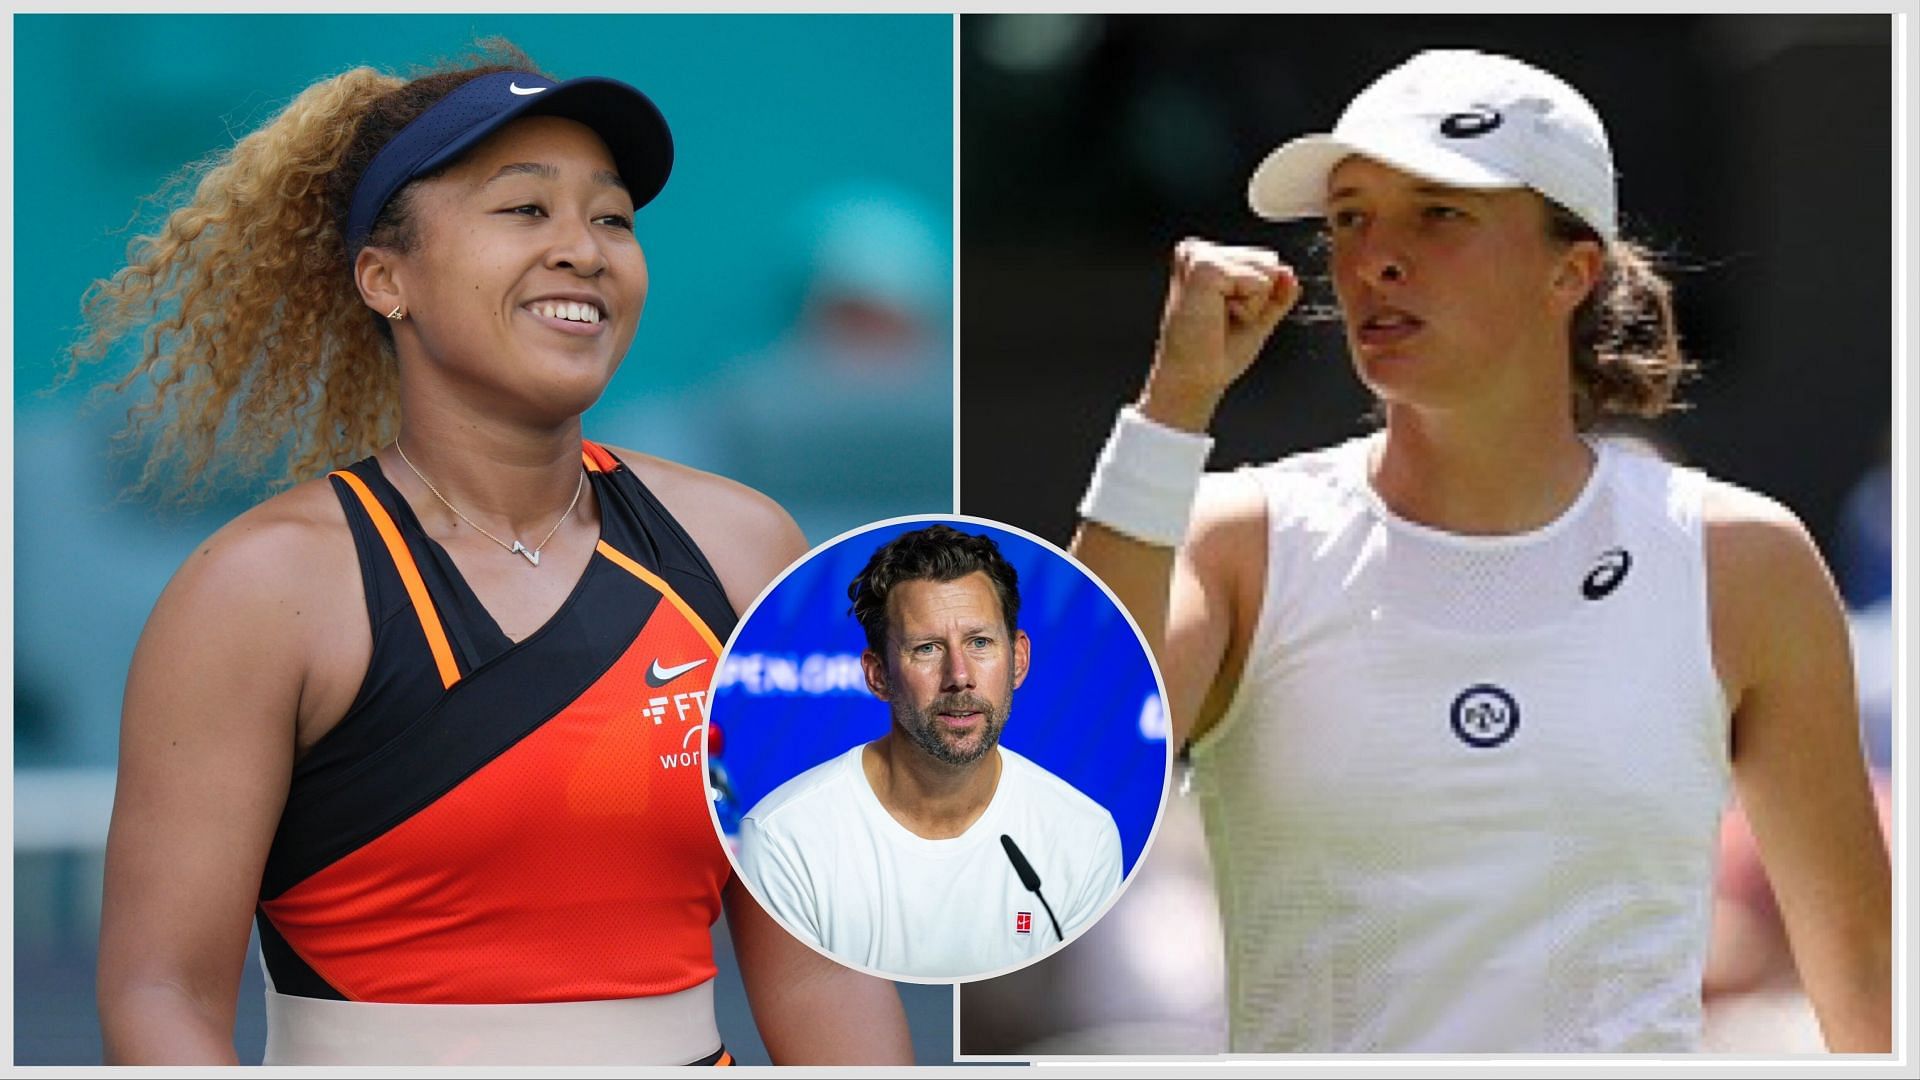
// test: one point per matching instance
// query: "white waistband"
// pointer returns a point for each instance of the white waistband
(670, 1029)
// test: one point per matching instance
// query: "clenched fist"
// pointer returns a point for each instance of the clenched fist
(1222, 304)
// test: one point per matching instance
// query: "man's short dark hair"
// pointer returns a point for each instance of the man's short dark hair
(935, 553)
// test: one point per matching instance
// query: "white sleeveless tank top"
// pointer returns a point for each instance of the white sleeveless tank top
(1467, 794)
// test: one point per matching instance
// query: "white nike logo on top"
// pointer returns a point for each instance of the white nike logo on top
(659, 676)
(523, 91)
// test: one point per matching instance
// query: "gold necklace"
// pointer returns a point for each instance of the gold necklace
(532, 554)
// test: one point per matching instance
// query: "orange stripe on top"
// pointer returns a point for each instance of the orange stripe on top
(410, 577)
(619, 559)
(597, 457)
(725, 1058)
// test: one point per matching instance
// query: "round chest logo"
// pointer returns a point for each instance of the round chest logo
(1485, 716)
(1466, 125)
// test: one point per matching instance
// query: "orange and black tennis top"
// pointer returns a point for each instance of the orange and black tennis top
(501, 822)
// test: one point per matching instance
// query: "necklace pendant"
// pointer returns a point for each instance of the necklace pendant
(522, 549)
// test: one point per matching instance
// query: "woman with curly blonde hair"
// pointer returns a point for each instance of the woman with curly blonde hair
(426, 719)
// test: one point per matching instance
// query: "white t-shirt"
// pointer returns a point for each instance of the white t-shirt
(832, 864)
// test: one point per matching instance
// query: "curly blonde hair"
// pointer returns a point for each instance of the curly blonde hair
(257, 353)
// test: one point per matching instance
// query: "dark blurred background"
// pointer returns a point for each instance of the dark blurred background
(1754, 152)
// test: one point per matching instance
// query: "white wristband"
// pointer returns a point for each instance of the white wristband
(1144, 483)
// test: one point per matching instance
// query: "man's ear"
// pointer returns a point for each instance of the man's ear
(876, 672)
(1022, 656)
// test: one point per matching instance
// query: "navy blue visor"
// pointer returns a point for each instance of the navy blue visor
(624, 118)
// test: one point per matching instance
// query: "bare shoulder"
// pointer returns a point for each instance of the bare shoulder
(265, 621)
(1229, 503)
(747, 536)
(1227, 538)
(1771, 594)
(292, 546)
(1751, 537)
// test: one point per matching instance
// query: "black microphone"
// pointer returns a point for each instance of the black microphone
(1030, 879)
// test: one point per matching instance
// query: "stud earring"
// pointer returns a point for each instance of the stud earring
(398, 313)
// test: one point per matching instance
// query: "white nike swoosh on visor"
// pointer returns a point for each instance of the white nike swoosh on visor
(662, 675)
(523, 91)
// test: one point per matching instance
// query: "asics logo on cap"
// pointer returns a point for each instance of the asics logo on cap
(1442, 116)
(1467, 125)
(523, 91)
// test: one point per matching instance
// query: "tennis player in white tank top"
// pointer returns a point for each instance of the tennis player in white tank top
(1466, 697)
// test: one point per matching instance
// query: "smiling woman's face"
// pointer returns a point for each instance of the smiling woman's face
(526, 283)
(1451, 296)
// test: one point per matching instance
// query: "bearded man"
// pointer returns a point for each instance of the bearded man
(933, 852)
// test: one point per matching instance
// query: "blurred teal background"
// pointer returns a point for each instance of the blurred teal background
(797, 337)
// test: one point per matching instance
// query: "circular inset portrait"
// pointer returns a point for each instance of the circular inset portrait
(937, 748)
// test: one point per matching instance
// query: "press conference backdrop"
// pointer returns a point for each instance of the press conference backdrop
(790, 693)
(814, 168)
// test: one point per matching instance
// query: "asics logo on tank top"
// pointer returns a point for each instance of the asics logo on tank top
(1485, 716)
(1470, 124)
(1607, 574)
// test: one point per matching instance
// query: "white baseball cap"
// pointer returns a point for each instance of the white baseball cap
(1461, 118)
